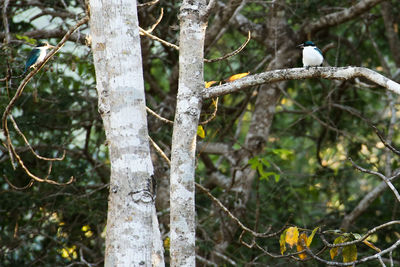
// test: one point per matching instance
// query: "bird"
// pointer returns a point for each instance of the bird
(37, 55)
(312, 56)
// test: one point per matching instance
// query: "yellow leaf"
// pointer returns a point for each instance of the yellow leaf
(200, 131)
(310, 238)
(302, 240)
(292, 235)
(208, 84)
(349, 253)
(166, 243)
(237, 76)
(214, 102)
(369, 244)
(334, 251)
(282, 242)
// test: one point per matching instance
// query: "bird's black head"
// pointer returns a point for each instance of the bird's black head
(307, 43)
(44, 44)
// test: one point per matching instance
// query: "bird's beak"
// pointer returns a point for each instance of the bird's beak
(51, 46)
(300, 45)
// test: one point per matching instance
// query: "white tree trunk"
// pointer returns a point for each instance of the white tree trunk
(189, 99)
(119, 75)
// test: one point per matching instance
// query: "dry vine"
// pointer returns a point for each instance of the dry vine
(6, 114)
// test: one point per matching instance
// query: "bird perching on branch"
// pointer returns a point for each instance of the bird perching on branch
(37, 55)
(312, 56)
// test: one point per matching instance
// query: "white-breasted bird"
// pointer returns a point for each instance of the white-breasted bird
(37, 55)
(312, 56)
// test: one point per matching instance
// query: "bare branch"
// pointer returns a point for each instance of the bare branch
(29, 145)
(53, 33)
(158, 116)
(206, 14)
(157, 22)
(383, 177)
(63, 15)
(383, 140)
(160, 151)
(16, 187)
(234, 218)
(212, 115)
(337, 18)
(234, 53)
(148, 3)
(391, 35)
(5, 21)
(221, 21)
(204, 260)
(331, 73)
(353, 263)
(144, 32)
(364, 237)
(18, 93)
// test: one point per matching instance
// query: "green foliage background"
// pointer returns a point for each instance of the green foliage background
(304, 176)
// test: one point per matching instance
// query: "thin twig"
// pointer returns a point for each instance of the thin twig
(365, 236)
(29, 145)
(159, 150)
(16, 187)
(213, 115)
(383, 177)
(234, 218)
(210, 6)
(157, 22)
(148, 3)
(383, 140)
(234, 53)
(158, 116)
(151, 36)
(18, 93)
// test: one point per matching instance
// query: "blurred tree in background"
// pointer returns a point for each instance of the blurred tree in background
(275, 155)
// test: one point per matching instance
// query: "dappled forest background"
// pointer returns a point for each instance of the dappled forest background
(274, 164)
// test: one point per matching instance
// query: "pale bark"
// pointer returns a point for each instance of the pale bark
(117, 58)
(189, 100)
(331, 73)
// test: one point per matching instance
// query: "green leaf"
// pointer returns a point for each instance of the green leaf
(254, 162)
(265, 162)
(356, 236)
(266, 176)
(349, 253)
(284, 154)
(25, 38)
(282, 242)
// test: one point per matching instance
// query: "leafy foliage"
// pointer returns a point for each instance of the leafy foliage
(303, 175)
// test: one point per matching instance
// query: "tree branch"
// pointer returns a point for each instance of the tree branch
(337, 18)
(330, 73)
(380, 175)
(19, 92)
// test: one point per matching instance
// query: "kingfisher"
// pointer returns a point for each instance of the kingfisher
(312, 56)
(37, 55)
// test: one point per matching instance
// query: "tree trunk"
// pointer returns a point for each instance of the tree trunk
(119, 75)
(189, 100)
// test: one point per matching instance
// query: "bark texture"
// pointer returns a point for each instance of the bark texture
(120, 86)
(189, 99)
